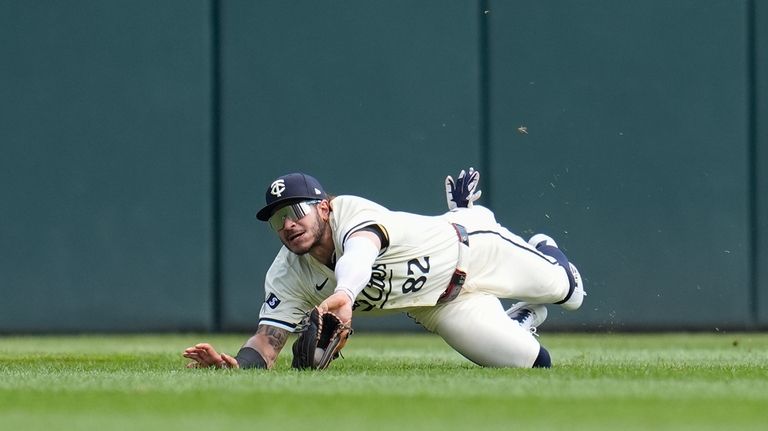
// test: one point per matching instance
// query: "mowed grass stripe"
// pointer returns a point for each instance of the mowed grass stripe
(678, 381)
(349, 412)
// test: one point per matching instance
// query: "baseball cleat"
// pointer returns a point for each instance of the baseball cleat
(577, 297)
(529, 316)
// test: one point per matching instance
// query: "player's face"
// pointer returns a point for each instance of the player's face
(301, 234)
(294, 212)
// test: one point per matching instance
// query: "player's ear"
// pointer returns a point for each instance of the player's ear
(324, 209)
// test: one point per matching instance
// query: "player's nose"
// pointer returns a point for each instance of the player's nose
(288, 223)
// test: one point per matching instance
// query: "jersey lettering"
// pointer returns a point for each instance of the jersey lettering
(376, 293)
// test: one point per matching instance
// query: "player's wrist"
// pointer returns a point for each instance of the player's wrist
(348, 294)
(248, 357)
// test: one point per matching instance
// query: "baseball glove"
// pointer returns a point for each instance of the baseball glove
(322, 336)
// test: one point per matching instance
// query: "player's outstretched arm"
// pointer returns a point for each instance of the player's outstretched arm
(353, 270)
(260, 351)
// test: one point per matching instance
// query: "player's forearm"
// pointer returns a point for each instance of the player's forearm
(353, 270)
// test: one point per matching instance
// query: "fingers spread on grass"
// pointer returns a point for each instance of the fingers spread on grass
(191, 355)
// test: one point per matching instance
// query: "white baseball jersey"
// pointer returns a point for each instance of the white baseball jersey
(414, 269)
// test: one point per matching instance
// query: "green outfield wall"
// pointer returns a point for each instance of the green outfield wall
(105, 174)
(138, 137)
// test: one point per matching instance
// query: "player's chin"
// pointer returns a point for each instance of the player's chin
(299, 245)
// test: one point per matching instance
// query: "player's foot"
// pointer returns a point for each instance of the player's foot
(529, 316)
(577, 297)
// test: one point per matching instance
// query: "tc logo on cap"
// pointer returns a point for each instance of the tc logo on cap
(278, 187)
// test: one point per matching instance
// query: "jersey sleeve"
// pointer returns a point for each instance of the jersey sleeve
(352, 214)
(284, 304)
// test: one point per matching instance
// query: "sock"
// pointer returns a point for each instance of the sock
(562, 261)
(543, 360)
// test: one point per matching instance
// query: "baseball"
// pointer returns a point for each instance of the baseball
(319, 352)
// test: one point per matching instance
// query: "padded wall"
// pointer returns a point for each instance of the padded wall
(138, 138)
(105, 169)
(636, 156)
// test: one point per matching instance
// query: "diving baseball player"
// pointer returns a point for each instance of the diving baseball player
(347, 254)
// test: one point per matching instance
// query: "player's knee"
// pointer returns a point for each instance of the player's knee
(543, 360)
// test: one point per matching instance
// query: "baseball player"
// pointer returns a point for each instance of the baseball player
(347, 254)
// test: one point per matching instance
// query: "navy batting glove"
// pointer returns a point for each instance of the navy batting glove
(462, 192)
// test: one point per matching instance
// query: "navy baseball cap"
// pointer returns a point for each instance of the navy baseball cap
(290, 188)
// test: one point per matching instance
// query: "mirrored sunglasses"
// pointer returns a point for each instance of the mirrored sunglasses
(294, 212)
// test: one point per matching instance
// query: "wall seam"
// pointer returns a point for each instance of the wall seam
(484, 102)
(752, 162)
(216, 180)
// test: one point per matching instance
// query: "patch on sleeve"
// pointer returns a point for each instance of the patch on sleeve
(273, 301)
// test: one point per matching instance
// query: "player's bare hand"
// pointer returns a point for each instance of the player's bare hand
(340, 305)
(204, 355)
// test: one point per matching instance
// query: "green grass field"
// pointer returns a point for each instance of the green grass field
(387, 382)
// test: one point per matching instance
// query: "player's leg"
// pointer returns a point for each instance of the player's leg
(476, 326)
(505, 265)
